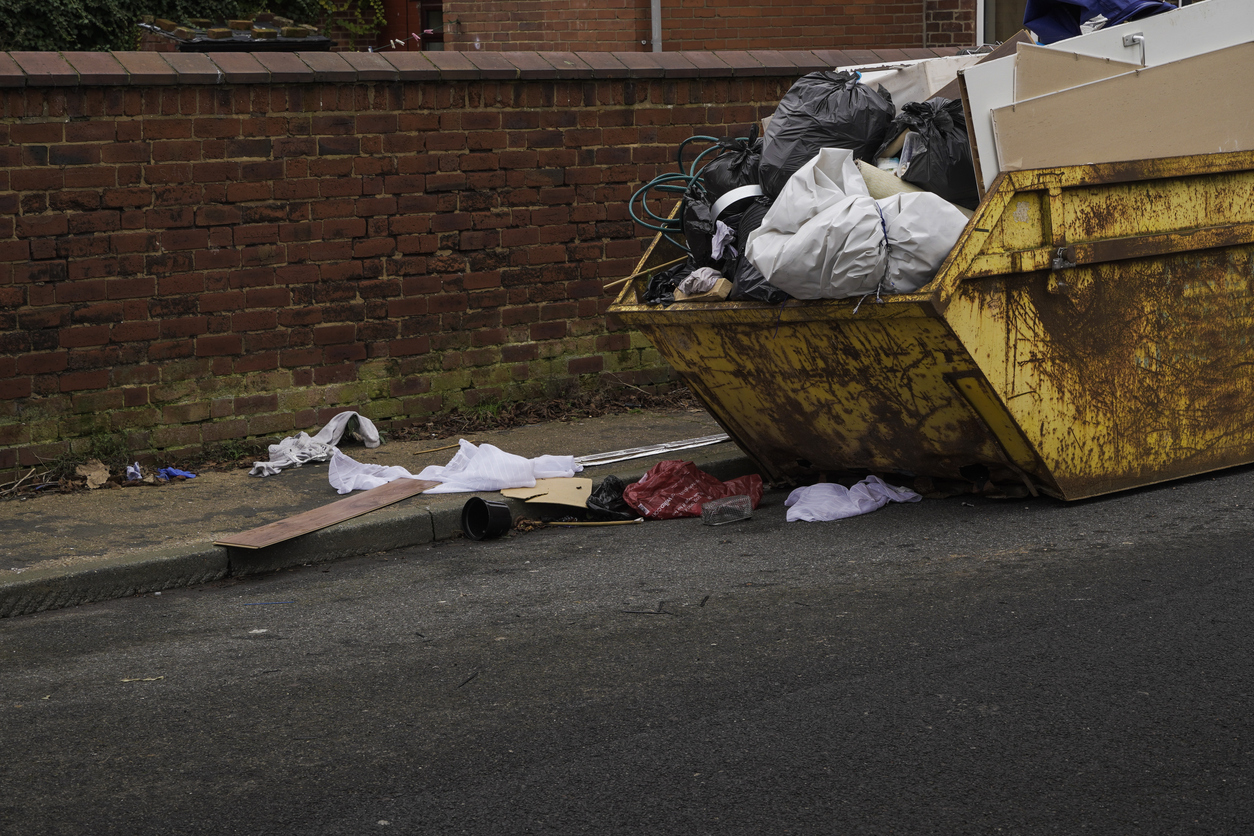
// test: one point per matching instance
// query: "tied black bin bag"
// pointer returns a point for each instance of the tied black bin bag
(940, 156)
(822, 110)
(735, 167)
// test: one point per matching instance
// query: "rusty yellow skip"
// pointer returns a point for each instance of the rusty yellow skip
(1090, 332)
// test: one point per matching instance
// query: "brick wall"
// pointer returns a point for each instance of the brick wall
(950, 23)
(626, 25)
(196, 248)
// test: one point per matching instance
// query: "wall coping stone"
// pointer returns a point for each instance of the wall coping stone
(192, 68)
(49, 69)
(567, 65)
(369, 66)
(145, 68)
(45, 69)
(99, 65)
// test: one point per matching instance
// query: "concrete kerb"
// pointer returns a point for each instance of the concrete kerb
(398, 526)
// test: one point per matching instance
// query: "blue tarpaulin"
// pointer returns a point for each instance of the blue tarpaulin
(1056, 20)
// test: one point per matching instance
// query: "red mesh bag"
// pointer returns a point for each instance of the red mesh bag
(674, 489)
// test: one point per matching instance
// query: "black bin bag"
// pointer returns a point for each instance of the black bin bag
(826, 109)
(748, 283)
(939, 155)
(735, 167)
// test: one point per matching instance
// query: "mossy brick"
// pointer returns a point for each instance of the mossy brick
(164, 438)
(282, 423)
(270, 381)
(346, 393)
(185, 413)
(172, 392)
(450, 381)
(40, 454)
(98, 401)
(14, 434)
(218, 431)
(77, 426)
(297, 399)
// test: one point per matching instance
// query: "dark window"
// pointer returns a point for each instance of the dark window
(431, 15)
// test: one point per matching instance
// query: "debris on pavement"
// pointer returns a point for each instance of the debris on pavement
(336, 512)
(300, 449)
(674, 489)
(474, 468)
(94, 472)
(827, 501)
(573, 491)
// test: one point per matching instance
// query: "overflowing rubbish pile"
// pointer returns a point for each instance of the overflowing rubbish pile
(843, 195)
(854, 189)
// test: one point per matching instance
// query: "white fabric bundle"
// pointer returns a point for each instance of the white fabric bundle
(824, 237)
(827, 501)
(294, 451)
(482, 468)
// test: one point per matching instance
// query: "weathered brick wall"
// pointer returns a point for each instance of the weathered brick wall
(950, 23)
(626, 25)
(198, 249)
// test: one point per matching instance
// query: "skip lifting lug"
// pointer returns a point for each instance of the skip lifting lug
(1062, 261)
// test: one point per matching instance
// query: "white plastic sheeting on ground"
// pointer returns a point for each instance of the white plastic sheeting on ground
(827, 501)
(473, 468)
(294, 451)
(825, 237)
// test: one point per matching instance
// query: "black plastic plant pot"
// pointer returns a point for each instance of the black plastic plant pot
(484, 520)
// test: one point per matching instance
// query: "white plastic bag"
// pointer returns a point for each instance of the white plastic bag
(827, 501)
(482, 468)
(922, 229)
(826, 238)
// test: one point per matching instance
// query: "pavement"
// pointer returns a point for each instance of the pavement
(63, 550)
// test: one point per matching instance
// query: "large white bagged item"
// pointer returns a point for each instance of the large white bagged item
(824, 237)
(922, 229)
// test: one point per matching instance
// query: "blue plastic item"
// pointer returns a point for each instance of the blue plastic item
(1057, 20)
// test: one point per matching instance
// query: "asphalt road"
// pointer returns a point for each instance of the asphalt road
(954, 666)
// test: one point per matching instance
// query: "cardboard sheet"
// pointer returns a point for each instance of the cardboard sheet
(1040, 70)
(1200, 105)
(573, 491)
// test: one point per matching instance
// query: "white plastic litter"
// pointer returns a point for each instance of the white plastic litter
(825, 237)
(827, 501)
(473, 468)
(723, 236)
(297, 450)
(701, 280)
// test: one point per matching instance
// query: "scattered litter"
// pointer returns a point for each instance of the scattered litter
(143, 679)
(827, 501)
(607, 503)
(134, 473)
(165, 474)
(94, 471)
(652, 450)
(573, 491)
(674, 489)
(295, 451)
(266, 603)
(254, 632)
(483, 519)
(727, 510)
(319, 518)
(594, 522)
(474, 468)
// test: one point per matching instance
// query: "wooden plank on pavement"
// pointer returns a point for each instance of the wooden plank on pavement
(327, 515)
